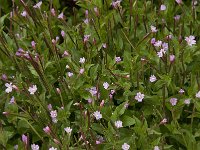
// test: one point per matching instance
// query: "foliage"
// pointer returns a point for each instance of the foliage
(99, 71)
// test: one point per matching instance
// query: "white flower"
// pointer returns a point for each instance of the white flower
(163, 121)
(61, 16)
(118, 124)
(158, 43)
(52, 148)
(152, 78)
(198, 94)
(97, 115)
(156, 148)
(70, 74)
(9, 87)
(139, 97)
(54, 120)
(162, 7)
(32, 89)
(187, 101)
(153, 29)
(190, 40)
(53, 113)
(160, 54)
(35, 147)
(38, 5)
(82, 60)
(125, 146)
(68, 130)
(105, 85)
(24, 13)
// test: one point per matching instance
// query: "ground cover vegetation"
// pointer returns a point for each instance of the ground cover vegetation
(99, 75)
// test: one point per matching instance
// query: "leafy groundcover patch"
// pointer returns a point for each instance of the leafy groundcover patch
(100, 75)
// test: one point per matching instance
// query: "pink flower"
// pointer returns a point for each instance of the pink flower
(190, 40)
(125, 146)
(81, 70)
(177, 17)
(158, 43)
(116, 4)
(32, 89)
(105, 85)
(38, 5)
(65, 54)
(97, 115)
(171, 58)
(61, 16)
(53, 12)
(173, 101)
(24, 139)
(82, 60)
(53, 113)
(179, 1)
(152, 78)
(33, 44)
(86, 38)
(153, 40)
(35, 147)
(68, 130)
(12, 100)
(187, 101)
(139, 97)
(47, 130)
(153, 29)
(118, 124)
(63, 33)
(24, 13)
(117, 59)
(9, 87)
(162, 7)
(181, 91)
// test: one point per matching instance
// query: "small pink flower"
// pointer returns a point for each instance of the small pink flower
(164, 121)
(163, 7)
(187, 101)
(58, 90)
(179, 1)
(53, 12)
(97, 115)
(70, 74)
(32, 89)
(118, 124)
(63, 33)
(104, 45)
(118, 59)
(177, 17)
(24, 13)
(173, 101)
(190, 40)
(106, 85)
(171, 58)
(81, 71)
(12, 100)
(116, 4)
(24, 139)
(153, 40)
(82, 60)
(96, 11)
(38, 5)
(49, 107)
(153, 29)
(61, 16)
(152, 78)
(65, 54)
(181, 91)
(53, 113)
(33, 44)
(47, 130)
(139, 97)
(102, 103)
(68, 130)
(158, 43)
(86, 38)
